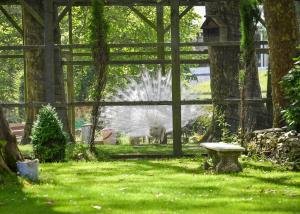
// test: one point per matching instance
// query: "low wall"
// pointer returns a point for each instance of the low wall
(278, 145)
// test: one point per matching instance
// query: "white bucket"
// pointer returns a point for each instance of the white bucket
(86, 132)
(29, 169)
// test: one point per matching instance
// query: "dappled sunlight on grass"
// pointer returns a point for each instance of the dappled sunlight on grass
(157, 186)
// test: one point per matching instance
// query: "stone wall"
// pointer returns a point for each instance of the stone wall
(278, 144)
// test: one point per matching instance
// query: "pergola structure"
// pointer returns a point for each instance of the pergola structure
(49, 47)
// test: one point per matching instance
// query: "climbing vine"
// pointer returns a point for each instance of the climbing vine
(98, 37)
(250, 15)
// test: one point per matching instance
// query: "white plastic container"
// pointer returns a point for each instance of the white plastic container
(86, 133)
(29, 169)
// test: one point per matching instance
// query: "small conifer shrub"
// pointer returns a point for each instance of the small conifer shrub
(48, 138)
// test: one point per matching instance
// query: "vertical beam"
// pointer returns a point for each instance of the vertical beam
(176, 93)
(24, 64)
(160, 35)
(49, 50)
(70, 78)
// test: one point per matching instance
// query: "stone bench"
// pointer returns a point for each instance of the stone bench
(224, 156)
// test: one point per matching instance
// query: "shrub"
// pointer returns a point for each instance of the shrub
(291, 88)
(48, 138)
(76, 151)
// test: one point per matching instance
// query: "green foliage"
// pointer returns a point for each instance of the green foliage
(48, 138)
(291, 87)
(76, 151)
(226, 135)
(10, 70)
(98, 24)
(124, 27)
(2, 144)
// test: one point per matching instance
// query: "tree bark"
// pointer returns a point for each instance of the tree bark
(35, 65)
(60, 94)
(34, 62)
(255, 114)
(282, 29)
(224, 66)
(9, 152)
(100, 50)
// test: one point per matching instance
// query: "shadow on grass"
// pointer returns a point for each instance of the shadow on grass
(260, 167)
(164, 166)
(281, 181)
(14, 200)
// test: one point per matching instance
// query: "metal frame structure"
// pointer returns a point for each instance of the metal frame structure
(69, 51)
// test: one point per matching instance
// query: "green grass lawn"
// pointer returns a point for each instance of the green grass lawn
(204, 87)
(153, 186)
(108, 151)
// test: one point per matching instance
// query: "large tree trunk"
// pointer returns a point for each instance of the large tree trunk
(255, 114)
(9, 152)
(34, 62)
(224, 66)
(35, 65)
(282, 28)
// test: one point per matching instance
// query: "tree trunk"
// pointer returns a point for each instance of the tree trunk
(60, 95)
(9, 152)
(282, 29)
(35, 63)
(224, 66)
(255, 114)
(100, 50)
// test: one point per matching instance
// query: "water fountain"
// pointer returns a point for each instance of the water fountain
(154, 121)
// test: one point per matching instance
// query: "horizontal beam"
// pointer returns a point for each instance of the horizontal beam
(119, 2)
(65, 53)
(11, 56)
(136, 53)
(130, 103)
(130, 45)
(138, 62)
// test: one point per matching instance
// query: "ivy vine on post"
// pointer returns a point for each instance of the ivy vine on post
(254, 114)
(99, 30)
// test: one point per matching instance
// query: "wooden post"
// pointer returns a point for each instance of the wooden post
(160, 35)
(176, 93)
(49, 50)
(24, 65)
(70, 78)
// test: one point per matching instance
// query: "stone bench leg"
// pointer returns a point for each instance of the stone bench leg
(215, 160)
(229, 162)
(214, 157)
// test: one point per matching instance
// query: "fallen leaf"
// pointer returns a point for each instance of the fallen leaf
(97, 207)
(50, 203)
